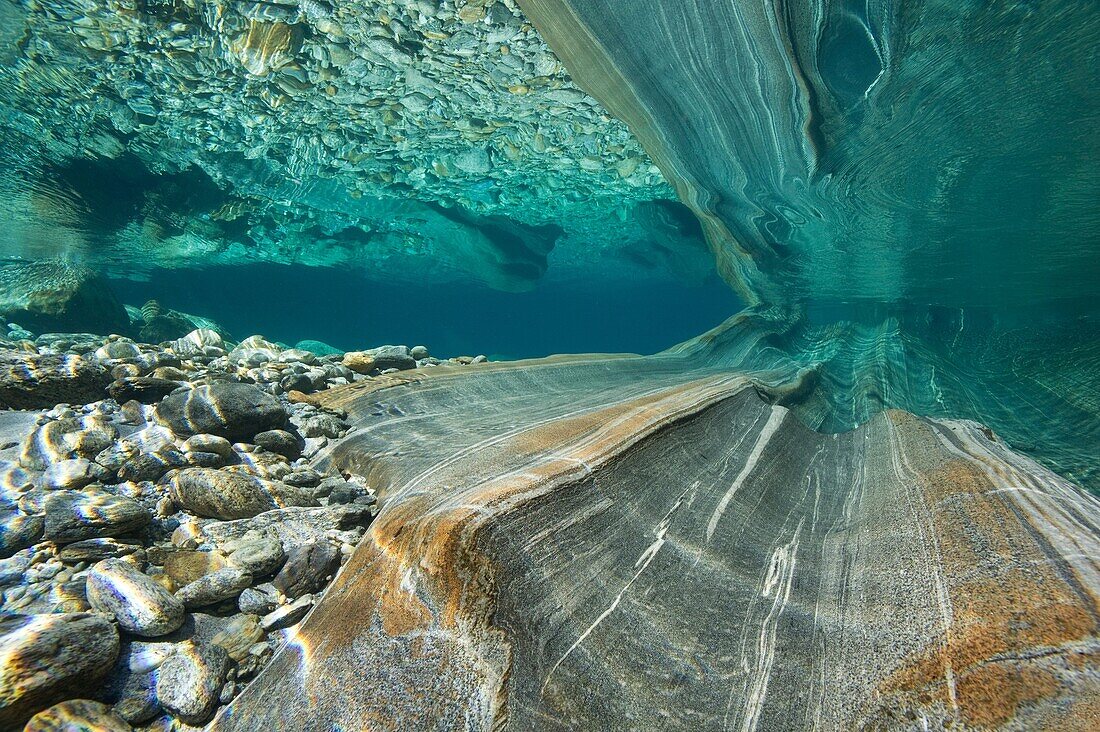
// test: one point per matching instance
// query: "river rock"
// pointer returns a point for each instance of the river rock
(50, 657)
(280, 441)
(144, 389)
(296, 526)
(230, 410)
(360, 362)
(258, 600)
(287, 615)
(258, 557)
(19, 531)
(73, 516)
(186, 566)
(215, 587)
(94, 550)
(77, 715)
(72, 474)
(189, 682)
(239, 635)
(30, 381)
(210, 444)
(307, 569)
(196, 342)
(228, 495)
(392, 357)
(140, 605)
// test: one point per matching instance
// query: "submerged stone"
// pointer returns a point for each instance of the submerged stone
(233, 411)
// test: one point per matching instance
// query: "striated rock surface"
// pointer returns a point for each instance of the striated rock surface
(624, 542)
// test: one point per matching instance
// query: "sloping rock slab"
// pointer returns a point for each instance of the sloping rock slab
(600, 543)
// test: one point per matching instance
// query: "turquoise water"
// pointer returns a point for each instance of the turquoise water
(910, 189)
(349, 311)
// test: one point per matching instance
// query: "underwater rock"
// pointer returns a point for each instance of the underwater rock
(196, 343)
(280, 442)
(50, 657)
(220, 585)
(74, 516)
(141, 606)
(233, 411)
(29, 381)
(228, 495)
(318, 347)
(189, 681)
(77, 715)
(19, 531)
(307, 569)
(391, 357)
(259, 556)
(144, 389)
(72, 474)
(51, 296)
(587, 533)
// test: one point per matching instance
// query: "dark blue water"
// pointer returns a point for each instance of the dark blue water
(292, 303)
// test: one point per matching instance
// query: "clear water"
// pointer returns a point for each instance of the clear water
(909, 188)
(348, 311)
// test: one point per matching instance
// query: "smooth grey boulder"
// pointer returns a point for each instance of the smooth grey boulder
(50, 657)
(230, 410)
(74, 516)
(280, 441)
(307, 569)
(188, 683)
(140, 605)
(227, 495)
(219, 585)
(78, 715)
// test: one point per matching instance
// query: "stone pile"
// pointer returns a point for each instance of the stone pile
(162, 534)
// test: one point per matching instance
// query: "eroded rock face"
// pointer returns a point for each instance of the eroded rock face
(623, 541)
